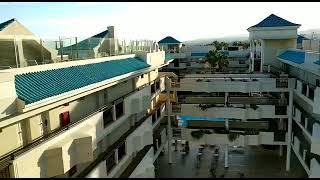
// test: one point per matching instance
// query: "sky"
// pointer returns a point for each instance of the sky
(154, 20)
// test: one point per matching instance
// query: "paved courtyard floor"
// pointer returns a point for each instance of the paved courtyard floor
(250, 161)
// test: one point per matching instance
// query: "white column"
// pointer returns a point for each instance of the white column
(289, 129)
(226, 156)
(168, 106)
(253, 49)
(19, 49)
(261, 57)
(226, 150)
(280, 128)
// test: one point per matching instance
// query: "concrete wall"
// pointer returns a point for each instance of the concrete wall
(271, 48)
(8, 96)
(145, 169)
(312, 45)
(11, 138)
(33, 163)
(135, 142)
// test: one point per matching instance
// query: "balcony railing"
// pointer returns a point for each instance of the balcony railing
(135, 162)
(282, 83)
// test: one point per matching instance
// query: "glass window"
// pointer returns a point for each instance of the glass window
(110, 162)
(281, 110)
(158, 113)
(154, 118)
(107, 117)
(153, 89)
(122, 151)
(119, 110)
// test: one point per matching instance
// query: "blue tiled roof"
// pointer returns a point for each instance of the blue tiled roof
(6, 23)
(191, 118)
(274, 21)
(185, 119)
(168, 57)
(88, 43)
(169, 40)
(199, 54)
(300, 39)
(35, 86)
(297, 57)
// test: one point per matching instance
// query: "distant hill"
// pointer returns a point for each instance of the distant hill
(306, 33)
(210, 40)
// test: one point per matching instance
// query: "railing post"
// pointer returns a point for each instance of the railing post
(168, 106)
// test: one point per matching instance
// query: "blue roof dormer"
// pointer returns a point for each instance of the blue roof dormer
(169, 40)
(274, 21)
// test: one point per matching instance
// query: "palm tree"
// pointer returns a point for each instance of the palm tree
(217, 60)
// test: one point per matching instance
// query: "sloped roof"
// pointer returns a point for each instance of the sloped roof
(88, 43)
(274, 21)
(297, 57)
(36, 86)
(300, 38)
(168, 57)
(6, 23)
(169, 40)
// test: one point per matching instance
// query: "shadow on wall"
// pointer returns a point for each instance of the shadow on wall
(11, 108)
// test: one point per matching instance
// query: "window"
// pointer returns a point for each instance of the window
(188, 64)
(5, 172)
(159, 141)
(142, 75)
(280, 136)
(122, 151)
(281, 110)
(72, 171)
(119, 110)
(154, 118)
(242, 62)
(157, 85)
(303, 118)
(159, 113)
(304, 89)
(107, 117)
(311, 92)
(153, 89)
(64, 118)
(110, 162)
(176, 63)
(294, 111)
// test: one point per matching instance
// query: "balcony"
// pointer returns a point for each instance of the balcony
(233, 112)
(258, 100)
(309, 94)
(309, 129)
(266, 138)
(243, 85)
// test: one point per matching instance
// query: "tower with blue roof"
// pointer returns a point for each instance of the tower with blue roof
(275, 34)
